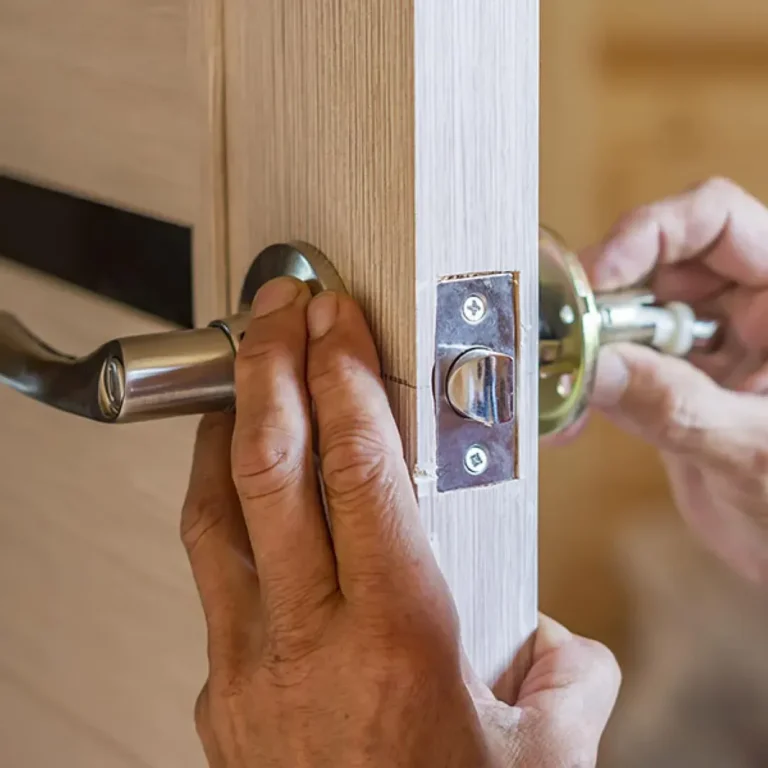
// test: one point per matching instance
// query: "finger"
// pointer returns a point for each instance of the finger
(678, 408)
(747, 313)
(741, 346)
(477, 688)
(372, 508)
(205, 730)
(730, 365)
(758, 382)
(568, 695)
(272, 457)
(567, 436)
(717, 221)
(216, 541)
(692, 282)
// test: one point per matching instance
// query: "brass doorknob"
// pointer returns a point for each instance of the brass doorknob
(574, 322)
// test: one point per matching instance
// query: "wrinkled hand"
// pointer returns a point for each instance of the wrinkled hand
(708, 247)
(336, 643)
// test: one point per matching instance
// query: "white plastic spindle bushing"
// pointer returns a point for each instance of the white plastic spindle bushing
(675, 331)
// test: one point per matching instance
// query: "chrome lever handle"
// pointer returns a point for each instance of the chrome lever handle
(33, 368)
(131, 379)
(138, 378)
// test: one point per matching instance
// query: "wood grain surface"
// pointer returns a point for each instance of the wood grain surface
(102, 647)
(476, 174)
(97, 99)
(210, 231)
(401, 139)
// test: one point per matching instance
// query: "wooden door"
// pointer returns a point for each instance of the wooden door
(105, 104)
(401, 138)
(102, 641)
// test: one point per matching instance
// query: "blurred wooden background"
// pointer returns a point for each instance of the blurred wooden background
(640, 100)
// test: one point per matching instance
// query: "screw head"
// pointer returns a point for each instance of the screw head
(567, 315)
(474, 309)
(476, 460)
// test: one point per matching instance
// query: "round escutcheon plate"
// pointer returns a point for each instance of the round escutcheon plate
(294, 259)
(569, 336)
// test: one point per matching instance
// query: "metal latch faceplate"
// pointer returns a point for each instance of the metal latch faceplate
(475, 380)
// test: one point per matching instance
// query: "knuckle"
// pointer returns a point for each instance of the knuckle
(627, 219)
(300, 613)
(228, 684)
(295, 637)
(374, 580)
(210, 426)
(677, 418)
(568, 735)
(720, 187)
(201, 710)
(760, 467)
(334, 374)
(202, 719)
(200, 515)
(604, 662)
(750, 477)
(411, 662)
(643, 214)
(358, 466)
(287, 659)
(266, 352)
(266, 460)
(269, 359)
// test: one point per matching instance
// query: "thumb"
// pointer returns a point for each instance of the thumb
(675, 406)
(567, 697)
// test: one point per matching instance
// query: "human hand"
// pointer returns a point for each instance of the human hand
(337, 643)
(709, 416)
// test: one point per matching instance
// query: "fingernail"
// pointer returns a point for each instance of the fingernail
(321, 314)
(553, 634)
(611, 380)
(275, 295)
